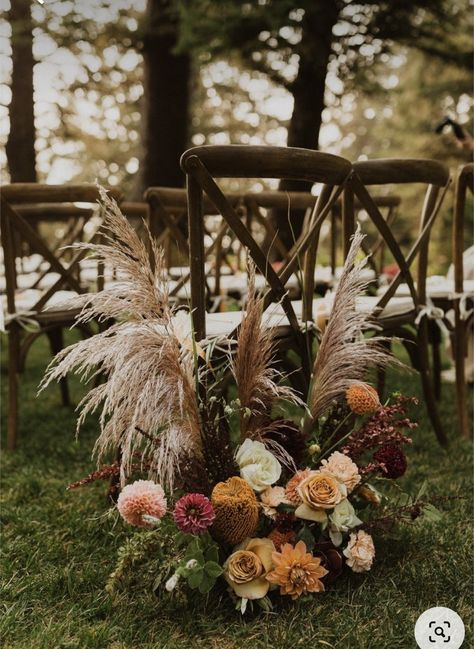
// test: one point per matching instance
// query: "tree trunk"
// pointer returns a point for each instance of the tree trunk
(20, 147)
(166, 100)
(308, 92)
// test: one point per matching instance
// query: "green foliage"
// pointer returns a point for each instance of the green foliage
(200, 565)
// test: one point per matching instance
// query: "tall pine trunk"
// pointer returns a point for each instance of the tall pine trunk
(308, 92)
(166, 100)
(20, 147)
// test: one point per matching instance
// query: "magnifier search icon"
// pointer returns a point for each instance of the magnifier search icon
(439, 631)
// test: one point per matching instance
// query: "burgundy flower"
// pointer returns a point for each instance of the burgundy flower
(392, 459)
(193, 514)
(289, 435)
(331, 559)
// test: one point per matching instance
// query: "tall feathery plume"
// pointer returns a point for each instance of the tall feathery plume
(257, 388)
(149, 382)
(344, 354)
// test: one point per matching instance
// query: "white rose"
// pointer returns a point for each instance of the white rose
(258, 467)
(342, 519)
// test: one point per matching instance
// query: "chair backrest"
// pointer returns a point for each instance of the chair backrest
(168, 226)
(464, 181)
(23, 207)
(431, 173)
(203, 165)
(374, 247)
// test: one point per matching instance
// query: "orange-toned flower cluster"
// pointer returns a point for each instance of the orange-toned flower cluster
(362, 399)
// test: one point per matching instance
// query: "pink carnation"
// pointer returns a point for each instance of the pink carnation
(139, 498)
(193, 514)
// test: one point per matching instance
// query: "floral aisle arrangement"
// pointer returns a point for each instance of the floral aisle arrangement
(236, 494)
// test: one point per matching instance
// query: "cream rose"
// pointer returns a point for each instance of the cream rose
(342, 519)
(343, 468)
(360, 551)
(247, 566)
(258, 467)
(319, 492)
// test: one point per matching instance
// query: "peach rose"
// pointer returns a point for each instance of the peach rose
(246, 568)
(270, 499)
(360, 551)
(319, 492)
(343, 469)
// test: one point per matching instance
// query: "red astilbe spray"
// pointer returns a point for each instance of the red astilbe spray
(384, 427)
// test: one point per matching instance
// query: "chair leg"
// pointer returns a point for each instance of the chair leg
(13, 384)
(460, 363)
(56, 342)
(435, 340)
(430, 400)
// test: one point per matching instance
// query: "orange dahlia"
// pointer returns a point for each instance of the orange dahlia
(296, 571)
(291, 489)
(362, 399)
(236, 509)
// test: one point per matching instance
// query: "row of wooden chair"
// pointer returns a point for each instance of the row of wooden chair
(243, 221)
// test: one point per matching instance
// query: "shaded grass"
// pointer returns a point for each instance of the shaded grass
(59, 547)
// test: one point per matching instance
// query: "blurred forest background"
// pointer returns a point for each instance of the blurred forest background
(116, 90)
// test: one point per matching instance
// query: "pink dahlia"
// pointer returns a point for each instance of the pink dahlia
(139, 498)
(193, 514)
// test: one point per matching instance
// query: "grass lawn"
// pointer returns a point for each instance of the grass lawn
(58, 548)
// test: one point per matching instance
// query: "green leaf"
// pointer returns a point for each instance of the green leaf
(195, 578)
(432, 513)
(307, 537)
(207, 583)
(213, 569)
(422, 490)
(212, 554)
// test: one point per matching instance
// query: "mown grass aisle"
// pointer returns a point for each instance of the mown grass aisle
(58, 548)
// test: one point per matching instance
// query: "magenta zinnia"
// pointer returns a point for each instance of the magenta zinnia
(193, 514)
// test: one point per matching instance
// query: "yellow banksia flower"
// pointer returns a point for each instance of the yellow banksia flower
(236, 509)
(362, 399)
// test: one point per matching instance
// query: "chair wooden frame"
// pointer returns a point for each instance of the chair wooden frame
(15, 222)
(464, 182)
(168, 208)
(203, 164)
(400, 171)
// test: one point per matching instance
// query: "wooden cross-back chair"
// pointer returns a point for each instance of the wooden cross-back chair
(168, 227)
(375, 249)
(464, 182)
(28, 315)
(203, 165)
(415, 313)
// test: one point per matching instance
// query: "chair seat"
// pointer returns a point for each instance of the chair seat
(26, 300)
(222, 324)
(437, 286)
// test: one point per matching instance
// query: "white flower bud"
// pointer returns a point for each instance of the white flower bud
(192, 563)
(171, 583)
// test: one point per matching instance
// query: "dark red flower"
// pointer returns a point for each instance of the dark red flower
(392, 460)
(289, 435)
(193, 514)
(331, 559)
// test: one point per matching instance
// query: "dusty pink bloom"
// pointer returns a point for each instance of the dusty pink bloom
(343, 468)
(270, 498)
(360, 551)
(193, 513)
(291, 490)
(139, 498)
